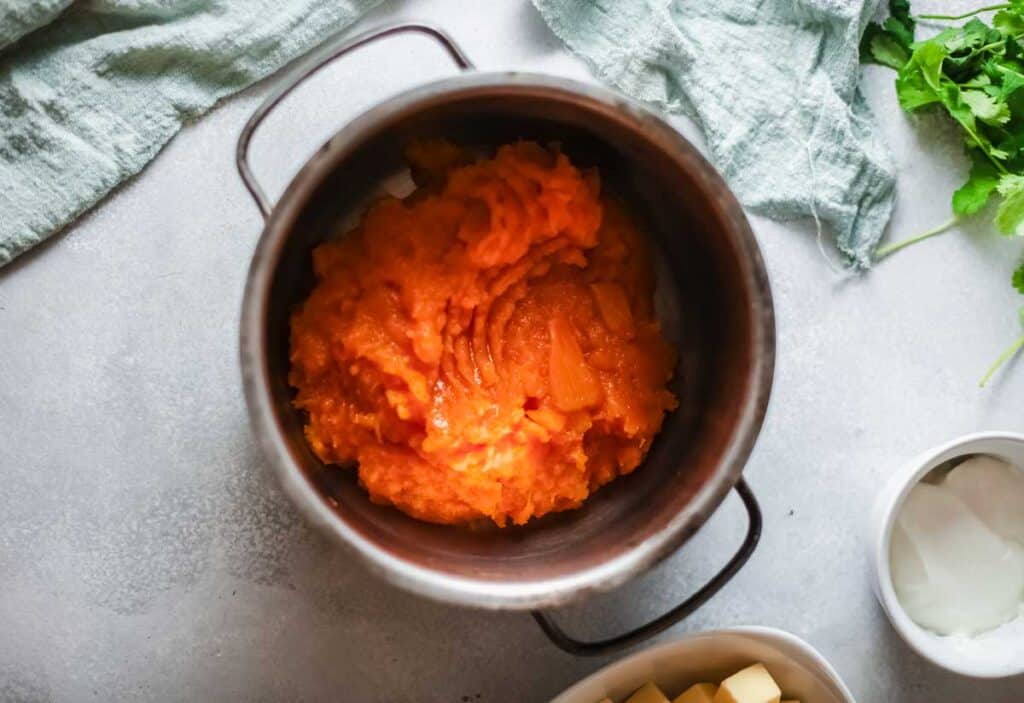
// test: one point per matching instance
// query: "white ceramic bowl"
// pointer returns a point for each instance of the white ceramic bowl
(801, 672)
(994, 654)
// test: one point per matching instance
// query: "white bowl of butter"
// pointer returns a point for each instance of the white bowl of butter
(676, 670)
(948, 554)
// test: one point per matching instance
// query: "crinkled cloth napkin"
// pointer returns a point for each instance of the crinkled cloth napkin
(91, 91)
(773, 86)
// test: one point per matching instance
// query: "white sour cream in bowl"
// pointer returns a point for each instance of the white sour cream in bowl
(948, 553)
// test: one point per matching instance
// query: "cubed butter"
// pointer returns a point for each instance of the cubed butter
(751, 685)
(698, 693)
(648, 693)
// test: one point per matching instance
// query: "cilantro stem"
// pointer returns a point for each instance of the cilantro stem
(882, 252)
(985, 48)
(972, 13)
(1003, 358)
(980, 144)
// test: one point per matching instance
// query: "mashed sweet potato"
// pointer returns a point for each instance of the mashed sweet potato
(486, 347)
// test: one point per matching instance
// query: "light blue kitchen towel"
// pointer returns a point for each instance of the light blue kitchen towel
(19, 17)
(773, 86)
(91, 91)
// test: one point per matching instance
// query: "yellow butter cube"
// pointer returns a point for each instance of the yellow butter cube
(698, 693)
(791, 700)
(648, 693)
(751, 685)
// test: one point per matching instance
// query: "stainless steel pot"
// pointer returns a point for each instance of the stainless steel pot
(713, 284)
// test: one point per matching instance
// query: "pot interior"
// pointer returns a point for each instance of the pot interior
(713, 299)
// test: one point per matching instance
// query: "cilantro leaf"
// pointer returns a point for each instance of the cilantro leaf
(1018, 282)
(1012, 81)
(913, 91)
(885, 49)
(918, 82)
(901, 29)
(928, 58)
(986, 108)
(1009, 22)
(889, 43)
(970, 36)
(959, 110)
(980, 185)
(1011, 210)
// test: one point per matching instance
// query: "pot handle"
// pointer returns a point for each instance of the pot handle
(313, 62)
(571, 645)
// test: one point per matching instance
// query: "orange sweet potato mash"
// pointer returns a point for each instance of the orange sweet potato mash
(485, 348)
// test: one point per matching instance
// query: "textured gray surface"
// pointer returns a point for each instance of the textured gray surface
(146, 555)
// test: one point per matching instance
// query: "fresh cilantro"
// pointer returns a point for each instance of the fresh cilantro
(981, 183)
(1018, 278)
(1012, 81)
(900, 24)
(1017, 4)
(1011, 210)
(883, 48)
(889, 43)
(985, 107)
(1008, 354)
(1008, 22)
(975, 74)
(919, 82)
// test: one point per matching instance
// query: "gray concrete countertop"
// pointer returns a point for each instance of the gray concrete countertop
(146, 554)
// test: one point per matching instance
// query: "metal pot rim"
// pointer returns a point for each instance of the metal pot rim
(480, 592)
